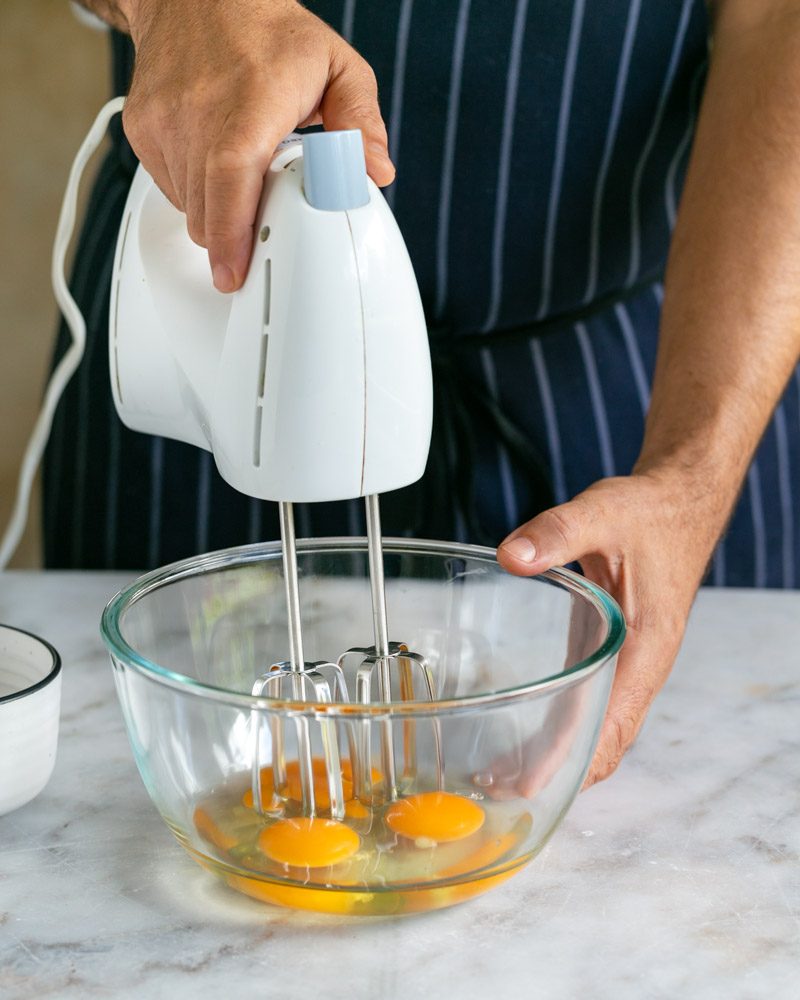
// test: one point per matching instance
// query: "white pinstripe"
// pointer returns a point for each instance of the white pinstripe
(759, 526)
(658, 292)
(670, 194)
(506, 478)
(448, 156)
(785, 493)
(636, 187)
(561, 148)
(611, 137)
(398, 85)
(156, 489)
(348, 16)
(634, 355)
(504, 164)
(203, 499)
(596, 399)
(551, 422)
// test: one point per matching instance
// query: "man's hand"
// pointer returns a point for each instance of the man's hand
(216, 86)
(646, 539)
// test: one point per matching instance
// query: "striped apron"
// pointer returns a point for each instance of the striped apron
(541, 148)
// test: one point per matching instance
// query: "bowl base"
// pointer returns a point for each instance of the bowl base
(419, 852)
(353, 902)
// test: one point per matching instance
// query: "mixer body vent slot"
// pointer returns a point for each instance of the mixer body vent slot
(262, 364)
(267, 289)
(257, 437)
(262, 368)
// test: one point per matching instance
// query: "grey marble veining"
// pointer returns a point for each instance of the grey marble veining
(680, 877)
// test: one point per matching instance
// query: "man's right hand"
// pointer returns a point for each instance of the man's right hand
(216, 86)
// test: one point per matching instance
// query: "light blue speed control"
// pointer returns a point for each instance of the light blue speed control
(334, 171)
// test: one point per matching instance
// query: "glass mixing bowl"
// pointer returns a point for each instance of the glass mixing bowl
(521, 668)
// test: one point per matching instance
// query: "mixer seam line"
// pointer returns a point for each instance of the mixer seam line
(363, 353)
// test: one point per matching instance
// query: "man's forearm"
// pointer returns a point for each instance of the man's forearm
(731, 320)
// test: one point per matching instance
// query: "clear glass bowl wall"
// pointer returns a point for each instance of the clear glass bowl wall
(522, 668)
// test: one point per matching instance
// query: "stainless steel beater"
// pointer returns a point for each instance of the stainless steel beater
(324, 682)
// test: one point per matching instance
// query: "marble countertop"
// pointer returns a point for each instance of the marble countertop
(679, 877)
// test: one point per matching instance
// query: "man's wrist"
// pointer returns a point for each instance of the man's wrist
(704, 479)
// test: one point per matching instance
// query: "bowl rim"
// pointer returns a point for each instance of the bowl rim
(243, 554)
(48, 678)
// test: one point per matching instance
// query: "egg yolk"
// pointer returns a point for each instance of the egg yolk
(308, 842)
(347, 772)
(355, 810)
(294, 789)
(211, 830)
(436, 816)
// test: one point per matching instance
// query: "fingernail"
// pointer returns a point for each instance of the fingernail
(521, 548)
(223, 278)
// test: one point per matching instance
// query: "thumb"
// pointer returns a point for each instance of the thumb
(555, 537)
(351, 101)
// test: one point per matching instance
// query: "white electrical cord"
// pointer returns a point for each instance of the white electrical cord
(77, 327)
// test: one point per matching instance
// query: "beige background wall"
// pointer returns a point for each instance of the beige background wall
(53, 78)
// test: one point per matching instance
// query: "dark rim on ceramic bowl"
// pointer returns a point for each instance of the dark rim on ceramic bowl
(54, 671)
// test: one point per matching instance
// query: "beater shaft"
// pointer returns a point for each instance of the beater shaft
(289, 549)
(376, 579)
(381, 631)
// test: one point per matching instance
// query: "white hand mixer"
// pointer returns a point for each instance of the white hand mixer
(312, 383)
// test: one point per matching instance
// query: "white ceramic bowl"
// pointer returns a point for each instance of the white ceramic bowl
(30, 699)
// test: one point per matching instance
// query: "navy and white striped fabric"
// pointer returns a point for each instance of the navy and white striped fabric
(541, 147)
